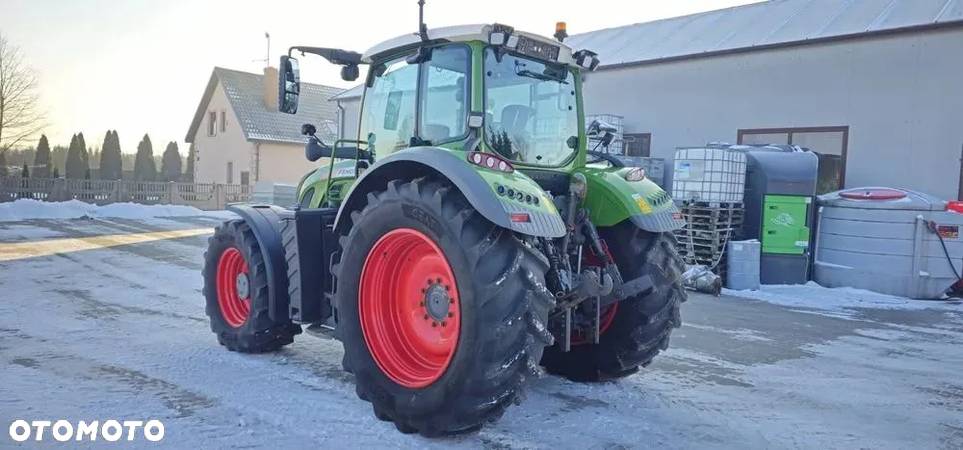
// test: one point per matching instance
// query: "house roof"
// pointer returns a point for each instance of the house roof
(763, 25)
(245, 92)
(352, 93)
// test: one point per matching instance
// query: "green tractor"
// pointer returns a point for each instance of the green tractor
(467, 238)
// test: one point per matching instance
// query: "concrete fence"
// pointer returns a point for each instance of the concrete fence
(207, 196)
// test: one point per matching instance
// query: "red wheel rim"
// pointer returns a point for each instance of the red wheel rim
(233, 292)
(409, 309)
(607, 315)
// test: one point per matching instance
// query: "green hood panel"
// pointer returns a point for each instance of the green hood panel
(316, 181)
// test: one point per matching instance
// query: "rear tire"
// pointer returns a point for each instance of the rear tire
(642, 323)
(500, 304)
(239, 314)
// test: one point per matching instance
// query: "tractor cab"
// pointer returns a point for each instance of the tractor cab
(486, 88)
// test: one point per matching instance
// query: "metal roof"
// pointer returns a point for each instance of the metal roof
(763, 25)
(245, 92)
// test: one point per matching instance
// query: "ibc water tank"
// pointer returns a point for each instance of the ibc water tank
(880, 239)
(709, 174)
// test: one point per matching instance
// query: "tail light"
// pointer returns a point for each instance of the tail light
(490, 161)
(955, 206)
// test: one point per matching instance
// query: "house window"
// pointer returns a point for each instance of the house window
(223, 121)
(230, 173)
(245, 178)
(212, 123)
(828, 143)
(637, 144)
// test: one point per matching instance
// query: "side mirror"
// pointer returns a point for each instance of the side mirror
(316, 150)
(289, 85)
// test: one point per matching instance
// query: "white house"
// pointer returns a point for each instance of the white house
(239, 136)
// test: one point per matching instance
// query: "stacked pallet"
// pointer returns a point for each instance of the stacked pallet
(709, 226)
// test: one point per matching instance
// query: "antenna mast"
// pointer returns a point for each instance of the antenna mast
(422, 28)
(267, 57)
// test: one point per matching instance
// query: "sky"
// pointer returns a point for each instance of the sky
(141, 66)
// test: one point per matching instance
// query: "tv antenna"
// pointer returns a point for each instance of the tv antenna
(267, 53)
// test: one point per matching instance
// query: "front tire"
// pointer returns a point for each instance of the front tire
(642, 324)
(235, 289)
(442, 314)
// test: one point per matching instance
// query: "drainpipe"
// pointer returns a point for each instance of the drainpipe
(959, 193)
(257, 162)
(340, 120)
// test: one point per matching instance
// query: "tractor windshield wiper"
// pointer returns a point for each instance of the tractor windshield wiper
(538, 76)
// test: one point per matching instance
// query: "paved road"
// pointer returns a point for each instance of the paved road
(120, 332)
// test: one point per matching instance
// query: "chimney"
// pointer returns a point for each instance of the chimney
(270, 88)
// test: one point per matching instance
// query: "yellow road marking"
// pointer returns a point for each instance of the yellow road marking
(33, 249)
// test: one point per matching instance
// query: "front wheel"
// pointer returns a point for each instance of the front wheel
(442, 314)
(636, 329)
(235, 288)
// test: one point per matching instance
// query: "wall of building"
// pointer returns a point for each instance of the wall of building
(283, 163)
(215, 152)
(900, 96)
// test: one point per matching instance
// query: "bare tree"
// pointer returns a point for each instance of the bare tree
(20, 114)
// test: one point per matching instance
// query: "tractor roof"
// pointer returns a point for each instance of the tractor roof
(459, 33)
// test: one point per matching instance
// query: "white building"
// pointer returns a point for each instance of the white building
(240, 137)
(876, 86)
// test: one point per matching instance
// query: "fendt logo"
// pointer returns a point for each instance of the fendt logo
(66, 431)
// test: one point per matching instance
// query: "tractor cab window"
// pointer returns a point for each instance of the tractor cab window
(388, 112)
(444, 104)
(530, 109)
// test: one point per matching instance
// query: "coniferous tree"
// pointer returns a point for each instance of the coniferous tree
(191, 156)
(41, 159)
(75, 167)
(171, 163)
(83, 150)
(110, 157)
(144, 167)
(56, 172)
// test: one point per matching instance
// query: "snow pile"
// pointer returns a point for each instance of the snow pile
(25, 209)
(812, 295)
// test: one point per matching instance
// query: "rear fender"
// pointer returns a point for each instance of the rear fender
(611, 199)
(478, 185)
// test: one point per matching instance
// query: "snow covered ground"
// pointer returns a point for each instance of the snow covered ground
(120, 332)
(24, 209)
